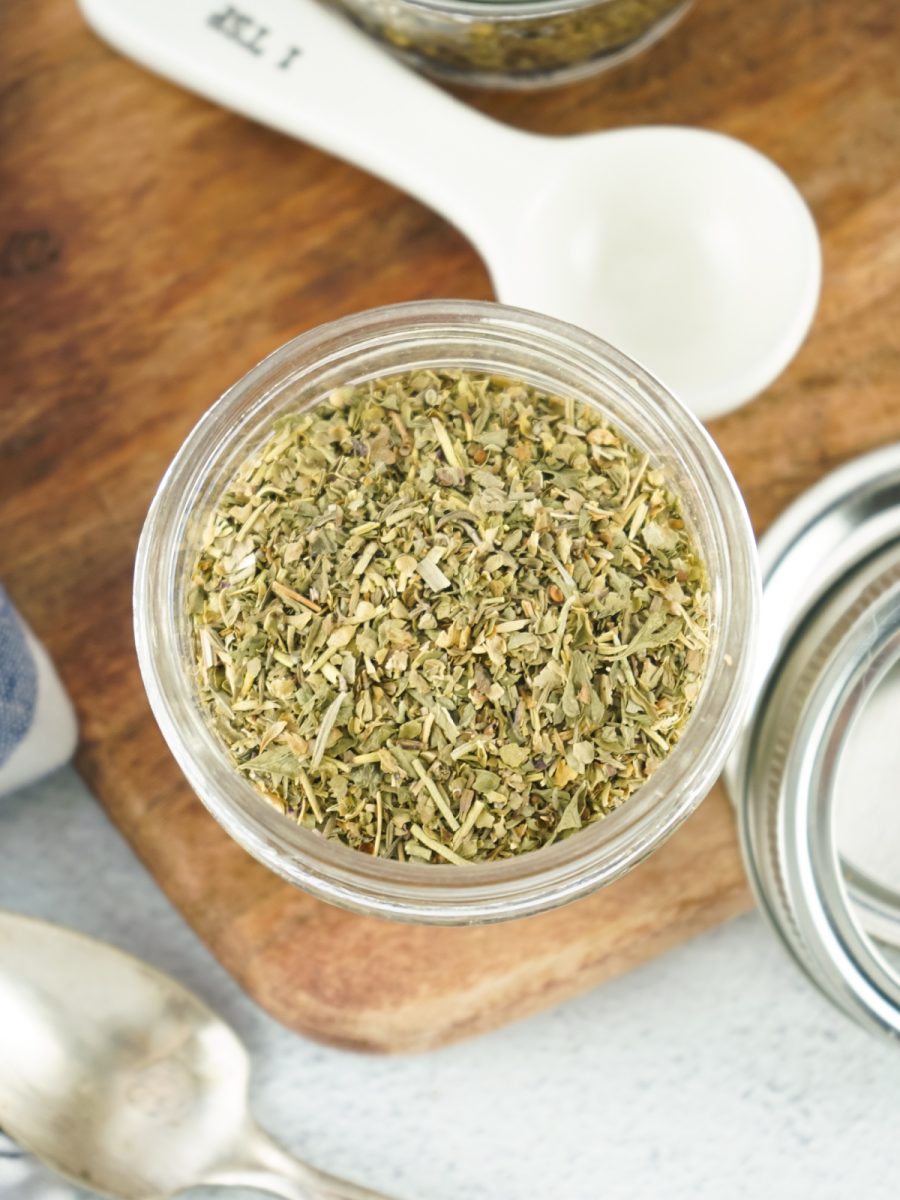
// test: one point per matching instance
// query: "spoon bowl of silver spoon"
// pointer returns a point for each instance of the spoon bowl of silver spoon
(122, 1080)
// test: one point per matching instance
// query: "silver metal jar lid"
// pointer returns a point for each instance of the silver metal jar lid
(830, 645)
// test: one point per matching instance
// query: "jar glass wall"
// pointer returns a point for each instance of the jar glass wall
(546, 354)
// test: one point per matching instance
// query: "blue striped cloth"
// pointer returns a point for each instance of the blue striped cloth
(18, 680)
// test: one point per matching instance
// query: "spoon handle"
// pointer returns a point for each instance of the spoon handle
(263, 1164)
(302, 69)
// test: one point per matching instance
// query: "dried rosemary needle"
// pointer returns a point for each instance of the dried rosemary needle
(446, 617)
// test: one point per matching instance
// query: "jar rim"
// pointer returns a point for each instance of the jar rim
(547, 353)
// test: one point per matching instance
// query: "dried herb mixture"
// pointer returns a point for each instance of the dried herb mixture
(447, 617)
(517, 44)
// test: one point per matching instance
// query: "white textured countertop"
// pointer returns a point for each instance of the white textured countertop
(714, 1073)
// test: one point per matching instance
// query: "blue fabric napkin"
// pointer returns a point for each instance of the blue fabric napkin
(18, 680)
(37, 722)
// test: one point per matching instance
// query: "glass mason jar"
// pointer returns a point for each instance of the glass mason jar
(547, 354)
(516, 43)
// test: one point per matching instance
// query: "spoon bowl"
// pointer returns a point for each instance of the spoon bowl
(124, 1081)
(686, 249)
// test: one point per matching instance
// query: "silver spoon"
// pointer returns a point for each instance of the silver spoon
(122, 1080)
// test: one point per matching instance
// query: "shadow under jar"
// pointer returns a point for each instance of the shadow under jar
(516, 43)
(545, 354)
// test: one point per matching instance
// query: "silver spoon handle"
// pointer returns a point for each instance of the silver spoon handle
(261, 1163)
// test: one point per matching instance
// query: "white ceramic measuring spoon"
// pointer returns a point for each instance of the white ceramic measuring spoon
(686, 249)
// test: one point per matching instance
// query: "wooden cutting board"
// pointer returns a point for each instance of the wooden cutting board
(152, 248)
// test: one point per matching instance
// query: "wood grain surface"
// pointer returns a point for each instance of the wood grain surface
(152, 248)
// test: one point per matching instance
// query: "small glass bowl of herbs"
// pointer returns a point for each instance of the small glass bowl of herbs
(517, 44)
(446, 612)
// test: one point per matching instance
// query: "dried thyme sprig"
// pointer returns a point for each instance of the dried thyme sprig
(447, 617)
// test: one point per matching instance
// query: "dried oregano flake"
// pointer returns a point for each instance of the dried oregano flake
(447, 617)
